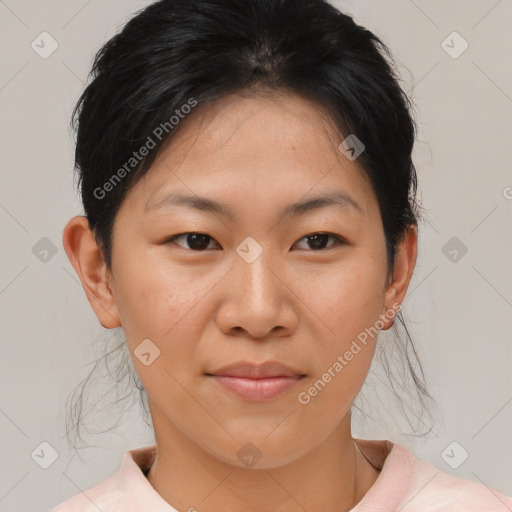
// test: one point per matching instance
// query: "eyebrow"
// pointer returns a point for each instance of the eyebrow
(337, 198)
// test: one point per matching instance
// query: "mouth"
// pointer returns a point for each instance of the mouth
(256, 382)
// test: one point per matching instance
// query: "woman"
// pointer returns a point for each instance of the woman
(218, 144)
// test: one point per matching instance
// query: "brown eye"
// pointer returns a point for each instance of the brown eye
(196, 241)
(318, 241)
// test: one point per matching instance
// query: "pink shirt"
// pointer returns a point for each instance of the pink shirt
(404, 484)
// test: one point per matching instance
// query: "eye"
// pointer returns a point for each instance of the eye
(197, 241)
(318, 240)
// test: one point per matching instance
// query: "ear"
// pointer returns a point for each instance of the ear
(87, 260)
(405, 260)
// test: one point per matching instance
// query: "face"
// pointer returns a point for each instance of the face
(199, 288)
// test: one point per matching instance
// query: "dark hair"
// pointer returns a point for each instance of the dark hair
(177, 53)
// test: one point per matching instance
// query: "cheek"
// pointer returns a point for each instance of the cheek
(348, 302)
(348, 299)
(155, 302)
(165, 308)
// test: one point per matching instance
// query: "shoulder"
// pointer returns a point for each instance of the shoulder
(435, 490)
(127, 490)
(105, 496)
(91, 501)
(409, 484)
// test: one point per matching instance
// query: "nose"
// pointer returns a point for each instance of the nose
(257, 300)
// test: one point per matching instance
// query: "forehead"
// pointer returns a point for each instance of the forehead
(277, 145)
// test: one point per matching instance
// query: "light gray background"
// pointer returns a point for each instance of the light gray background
(459, 313)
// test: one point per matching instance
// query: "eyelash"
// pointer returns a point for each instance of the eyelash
(338, 240)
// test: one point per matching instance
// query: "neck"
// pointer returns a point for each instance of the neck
(333, 477)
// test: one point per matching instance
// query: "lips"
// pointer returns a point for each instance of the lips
(256, 382)
(257, 371)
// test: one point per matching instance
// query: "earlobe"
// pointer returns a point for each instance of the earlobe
(88, 262)
(404, 263)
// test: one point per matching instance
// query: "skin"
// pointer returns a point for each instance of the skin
(295, 303)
